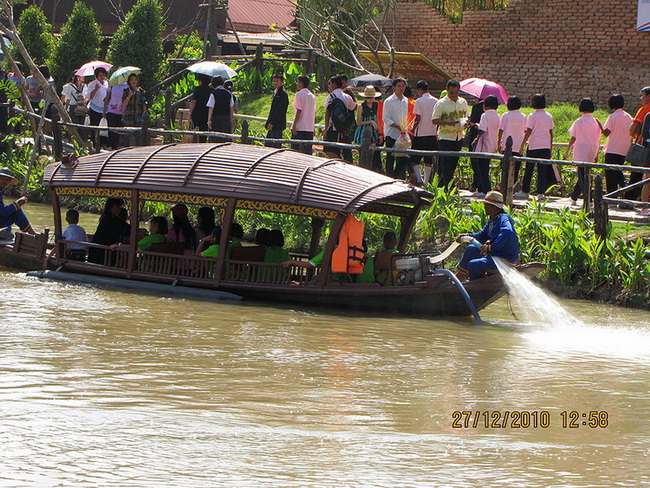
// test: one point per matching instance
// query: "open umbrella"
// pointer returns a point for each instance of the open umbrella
(122, 74)
(481, 88)
(212, 69)
(89, 68)
(375, 80)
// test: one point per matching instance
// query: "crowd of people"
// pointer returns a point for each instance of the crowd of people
(447, 124)
(401, 120)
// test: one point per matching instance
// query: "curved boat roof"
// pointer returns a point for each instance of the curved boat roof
(247, 172)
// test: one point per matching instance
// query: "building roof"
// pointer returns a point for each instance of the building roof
(260, 15)
(248, 172)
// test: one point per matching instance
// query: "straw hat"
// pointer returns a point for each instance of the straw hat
(494, 198)
(369, 92)
(7, 173)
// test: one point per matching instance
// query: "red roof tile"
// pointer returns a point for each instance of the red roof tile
(259, 15)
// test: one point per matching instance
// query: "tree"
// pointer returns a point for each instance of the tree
(339, 29)
(78, 44)
(36, 35)
(138, 41)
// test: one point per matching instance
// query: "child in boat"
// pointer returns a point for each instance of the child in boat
(74, 232)
(275, 252)
(158, 228)
(236, 235)
(386, 276)
(209, 245)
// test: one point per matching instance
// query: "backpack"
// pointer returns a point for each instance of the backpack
(339, 114)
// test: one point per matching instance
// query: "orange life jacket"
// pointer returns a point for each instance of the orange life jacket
(348, 256)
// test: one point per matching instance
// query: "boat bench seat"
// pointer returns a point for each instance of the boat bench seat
(248, 253)
(168, 247)
(33, 245)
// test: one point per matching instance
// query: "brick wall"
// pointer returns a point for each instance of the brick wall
(567, 49)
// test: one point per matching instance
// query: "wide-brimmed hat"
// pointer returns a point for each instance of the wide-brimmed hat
(369, 92)
(180, 210)
(7, 173)
(494, 198)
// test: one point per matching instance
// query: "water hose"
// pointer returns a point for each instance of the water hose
(466, 239)
(462, 290)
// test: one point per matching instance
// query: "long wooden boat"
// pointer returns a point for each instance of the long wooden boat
(232, 177)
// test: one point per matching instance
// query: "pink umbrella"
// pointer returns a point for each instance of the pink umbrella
(89, 68)
(481, 88)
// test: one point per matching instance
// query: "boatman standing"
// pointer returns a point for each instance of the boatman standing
(12, 214)
(498, 238)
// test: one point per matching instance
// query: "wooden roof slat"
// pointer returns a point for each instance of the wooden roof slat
(234, 170)
(101, 169)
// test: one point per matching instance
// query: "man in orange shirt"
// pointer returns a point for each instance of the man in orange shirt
(636, 132)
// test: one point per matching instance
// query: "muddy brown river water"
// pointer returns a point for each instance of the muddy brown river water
(99, 387)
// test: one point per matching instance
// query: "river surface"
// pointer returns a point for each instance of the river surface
(105, 388)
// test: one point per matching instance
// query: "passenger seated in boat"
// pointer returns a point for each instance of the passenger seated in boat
(275, 252)
(384, 275)
(262, 237)
(209, 245)
(110, 230)
(498, 237)
(74, 232)
(236, 235)
(158, 229)
(181, 230)
(205, 223)
(12, 214)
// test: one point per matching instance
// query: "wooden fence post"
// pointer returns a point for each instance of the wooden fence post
(365, 154)
(244, 132)
(601, 210)
(586, 193)
(145, 138)
(58, 138)
(169, 114)
(507, 173)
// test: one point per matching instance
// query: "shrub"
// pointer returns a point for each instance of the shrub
(78, 44)
(36, 35)
(138, 42)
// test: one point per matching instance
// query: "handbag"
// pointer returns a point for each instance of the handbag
(638, 155)
(80, 109)
(103, 123)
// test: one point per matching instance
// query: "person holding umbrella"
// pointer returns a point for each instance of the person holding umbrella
(199, 104)
(134, 105)
(96, 95)
(221, 110)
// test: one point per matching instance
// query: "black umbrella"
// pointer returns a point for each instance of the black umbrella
(375, 80)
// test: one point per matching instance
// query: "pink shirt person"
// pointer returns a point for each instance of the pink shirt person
(489, 127)
(512, 124)
(618, 125)
(587, 132)
(540, 123)
(305, 101)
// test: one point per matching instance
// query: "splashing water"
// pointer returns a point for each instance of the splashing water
(533, 303)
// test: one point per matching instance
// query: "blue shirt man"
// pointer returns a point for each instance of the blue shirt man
(498, 237)
(12, 214)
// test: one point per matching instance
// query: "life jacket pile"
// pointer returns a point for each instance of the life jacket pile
(349, 256)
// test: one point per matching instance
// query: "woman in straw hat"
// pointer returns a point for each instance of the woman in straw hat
(12, 214)
(367, 117)
(498, 238)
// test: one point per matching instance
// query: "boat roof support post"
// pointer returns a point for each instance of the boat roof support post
(58, 227)
(133, 238)
(407, 226)
(316, 231)
(223, 241)
(332, 241)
